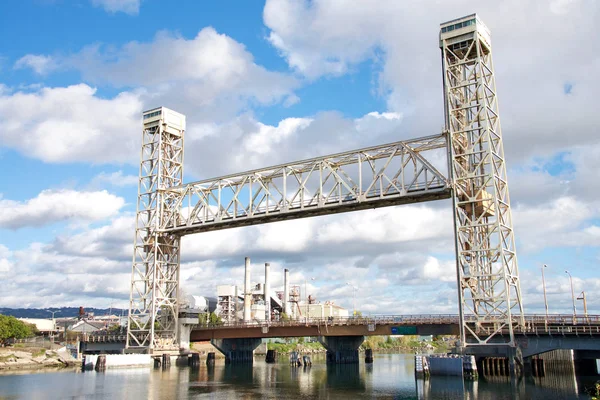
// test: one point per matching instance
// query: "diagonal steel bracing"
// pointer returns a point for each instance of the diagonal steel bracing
(378, 176)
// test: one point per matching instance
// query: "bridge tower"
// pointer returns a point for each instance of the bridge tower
(153, 310)
(489, 291)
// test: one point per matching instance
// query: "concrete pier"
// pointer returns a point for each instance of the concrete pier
(237, 350)
(271, 356)
(368, 356)
(342, 349)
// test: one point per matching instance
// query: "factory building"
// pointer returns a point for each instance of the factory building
(258, 302)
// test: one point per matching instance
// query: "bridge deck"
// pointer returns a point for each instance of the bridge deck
(385, 325)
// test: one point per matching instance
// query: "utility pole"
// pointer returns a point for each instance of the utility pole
(572, 297)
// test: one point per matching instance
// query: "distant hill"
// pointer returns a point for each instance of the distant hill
(61, 312)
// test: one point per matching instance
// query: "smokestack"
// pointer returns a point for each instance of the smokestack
(286, 292)
(247, 291)
(236, 302)
(267, 292)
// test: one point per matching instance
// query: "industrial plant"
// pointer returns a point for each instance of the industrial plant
(257, 301)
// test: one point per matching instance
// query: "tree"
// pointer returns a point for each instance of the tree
(12, 328)
(211, 319)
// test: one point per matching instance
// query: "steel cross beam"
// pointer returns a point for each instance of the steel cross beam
(385, 175)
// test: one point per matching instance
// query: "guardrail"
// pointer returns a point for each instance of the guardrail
(532, 322)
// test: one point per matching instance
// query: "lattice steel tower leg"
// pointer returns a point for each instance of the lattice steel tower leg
(153, 309)
(489, 291)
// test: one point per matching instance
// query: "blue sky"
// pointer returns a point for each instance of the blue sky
(299, 79)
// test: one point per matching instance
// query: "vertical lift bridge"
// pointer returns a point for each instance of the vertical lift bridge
(408, 171)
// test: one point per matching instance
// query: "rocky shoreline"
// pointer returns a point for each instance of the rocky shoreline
(34, 359)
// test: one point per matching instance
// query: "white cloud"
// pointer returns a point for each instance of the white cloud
(559, 222)
(562, 6)
(210, 76)
(292, 139)
(131, 7)
(39, 63)
(58, 205)
(118, 179)
(329, 38)
(71, 123)
(5, 260)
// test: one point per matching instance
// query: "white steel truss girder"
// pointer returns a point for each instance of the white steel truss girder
(389, 174)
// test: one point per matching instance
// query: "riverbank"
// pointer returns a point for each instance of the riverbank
(34, 358)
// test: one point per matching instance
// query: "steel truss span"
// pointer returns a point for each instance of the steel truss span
(465, 163)
(487, 269)
(390, 174)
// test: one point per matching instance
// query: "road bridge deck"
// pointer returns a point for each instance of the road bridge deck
(443, 324)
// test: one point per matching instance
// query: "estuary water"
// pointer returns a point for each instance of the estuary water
(391, 376)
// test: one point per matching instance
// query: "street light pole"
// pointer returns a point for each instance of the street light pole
(572, 297)
(53, 324)
(544, 287)
(582, 297)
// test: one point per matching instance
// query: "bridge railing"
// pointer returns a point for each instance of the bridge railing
(346, 321)
(533, 323)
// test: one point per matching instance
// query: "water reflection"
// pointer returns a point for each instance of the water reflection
(390, 376)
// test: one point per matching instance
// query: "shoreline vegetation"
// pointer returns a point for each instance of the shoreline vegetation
(378, 344)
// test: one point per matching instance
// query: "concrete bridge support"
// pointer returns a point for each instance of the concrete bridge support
(237, 351)
(497, 360)
(342, 349)
(184, 332)
(586, 362)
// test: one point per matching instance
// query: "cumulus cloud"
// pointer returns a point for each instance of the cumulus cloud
(260, 145)
(560, 222)
(67, 124)
(93, 265)
(210, 76)
(40, 64)
(328, 38)
(118, 179)
(52, 206)
(213, 79)
(131, 7)
(5, 259)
